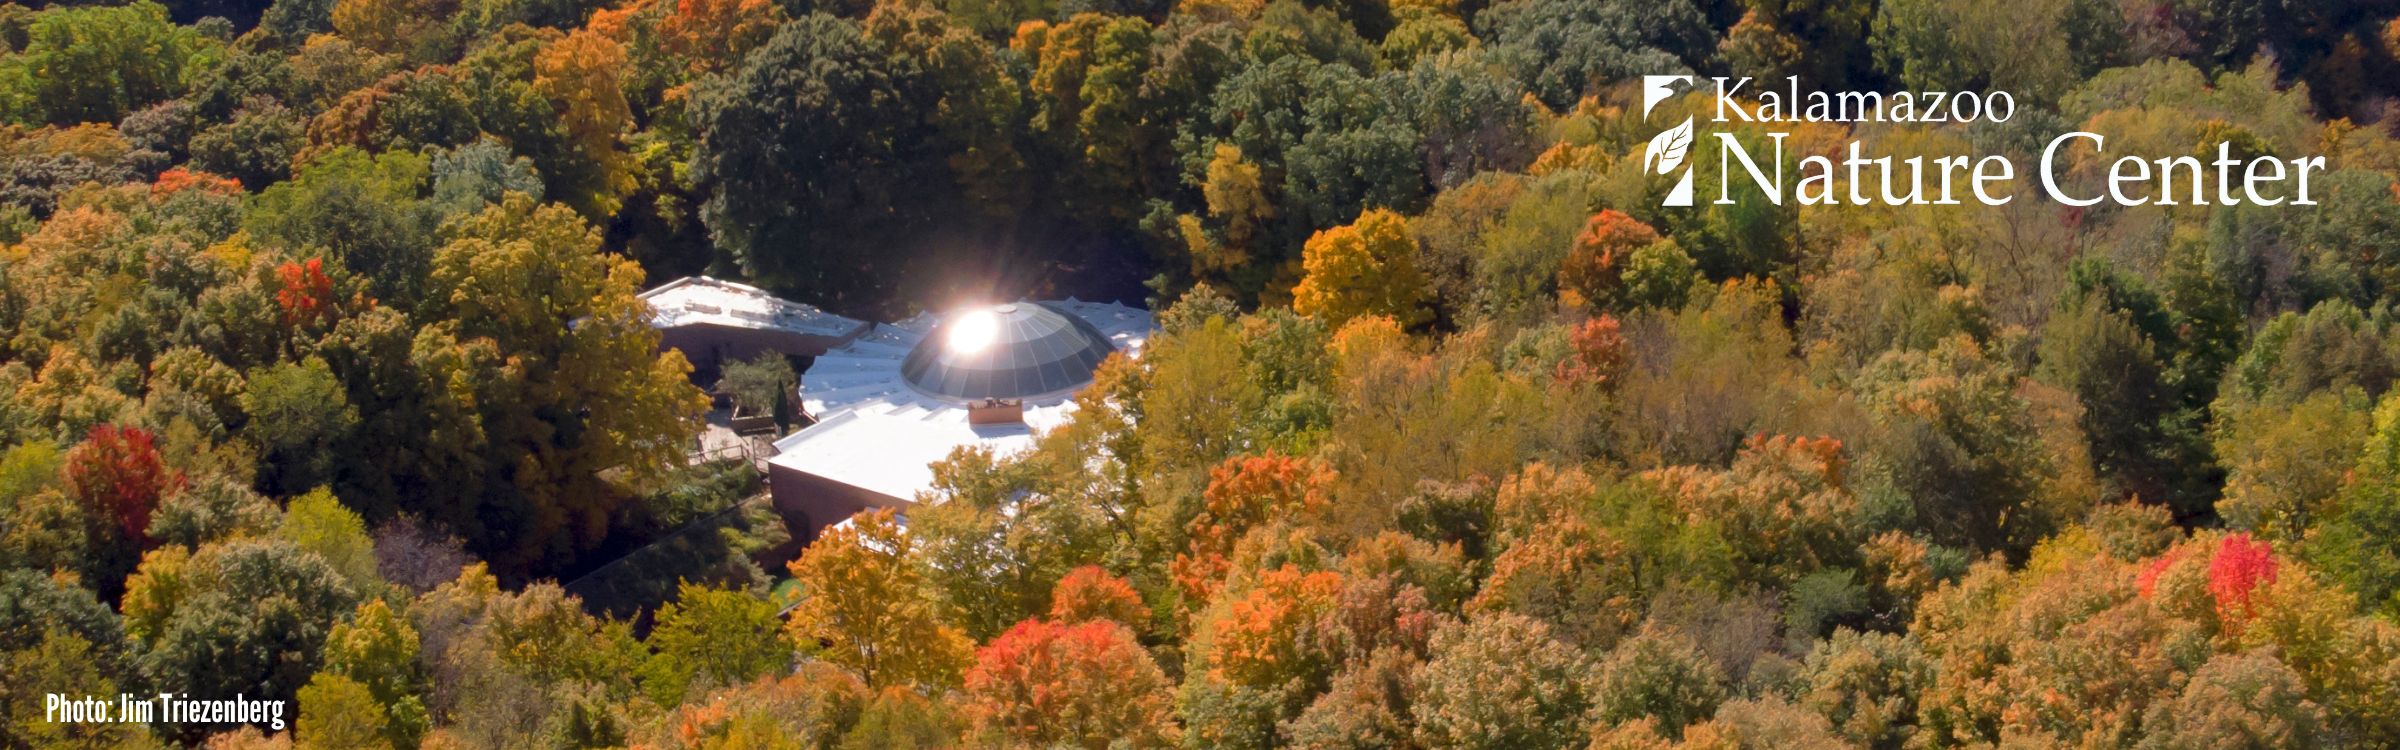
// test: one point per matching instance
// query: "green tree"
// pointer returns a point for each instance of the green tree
(1961, 446)
(98, 63)
(2128, 405)
(807, 151)
(301, 417)
(1930, 44)
(337, 713)
(710, 638)
(1562, 51)
(251, 617)
(567, 379)
(764, 385)
(2358, 541)
(359, 210)
(255, 147)
(318, 523)
(379, 649)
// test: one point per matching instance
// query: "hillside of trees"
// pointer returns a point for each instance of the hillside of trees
(321, 362)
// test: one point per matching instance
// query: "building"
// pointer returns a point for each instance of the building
(713, 321)
(890, 403)
(885, 402)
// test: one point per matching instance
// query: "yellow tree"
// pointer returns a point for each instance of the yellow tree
(712, 35)
(1366, 268)
(338, 713)
(583, 74)
(544, 337)
(866, 607)
(411, 28)
(1237, 200)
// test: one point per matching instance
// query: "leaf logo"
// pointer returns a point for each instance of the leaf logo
(1667, 149)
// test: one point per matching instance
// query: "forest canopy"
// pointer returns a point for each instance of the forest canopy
(322, 364)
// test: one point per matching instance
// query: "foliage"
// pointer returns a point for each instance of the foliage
(1077, 685)
(1365, 268)
(96, 64)
(864, 608)
(1501, 681)
(709, 638)
(245, 616)
(761, 386)
(321, 351)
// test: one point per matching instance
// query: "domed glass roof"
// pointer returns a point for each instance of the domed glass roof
(1009, 351)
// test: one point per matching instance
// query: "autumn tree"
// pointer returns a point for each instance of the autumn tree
(582, 75)
(714, 35)
(412, 29)
(318, 523)
(1089, 593)
(1365, 268)
(1866, 685)
(379, 651)
(1595, 267)
(709, 638)
(1086, 685)
(1004, 532)
(547, 331)
(119, 477)
(1579, 580)
(1784, 507)
(864, 607)
(338, 713)
(1502, 681)
(1253, 660)
(816, 705)
(96, 64)
(1244, 493)
(1660, 676)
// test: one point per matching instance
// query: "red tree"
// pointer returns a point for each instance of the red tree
(1595, 265)
(1599, 355)
(1089, 593)
(1088, 684)
(2240, 566)
(1244, 493)
(179, 179)
(306, 295)
(118, 471)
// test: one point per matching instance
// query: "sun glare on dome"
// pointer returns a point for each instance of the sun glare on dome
(973, 332)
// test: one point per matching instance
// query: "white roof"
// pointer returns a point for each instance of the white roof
(697, 300)
(875, 432)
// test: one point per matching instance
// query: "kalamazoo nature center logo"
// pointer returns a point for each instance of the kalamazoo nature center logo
(2071, 167)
